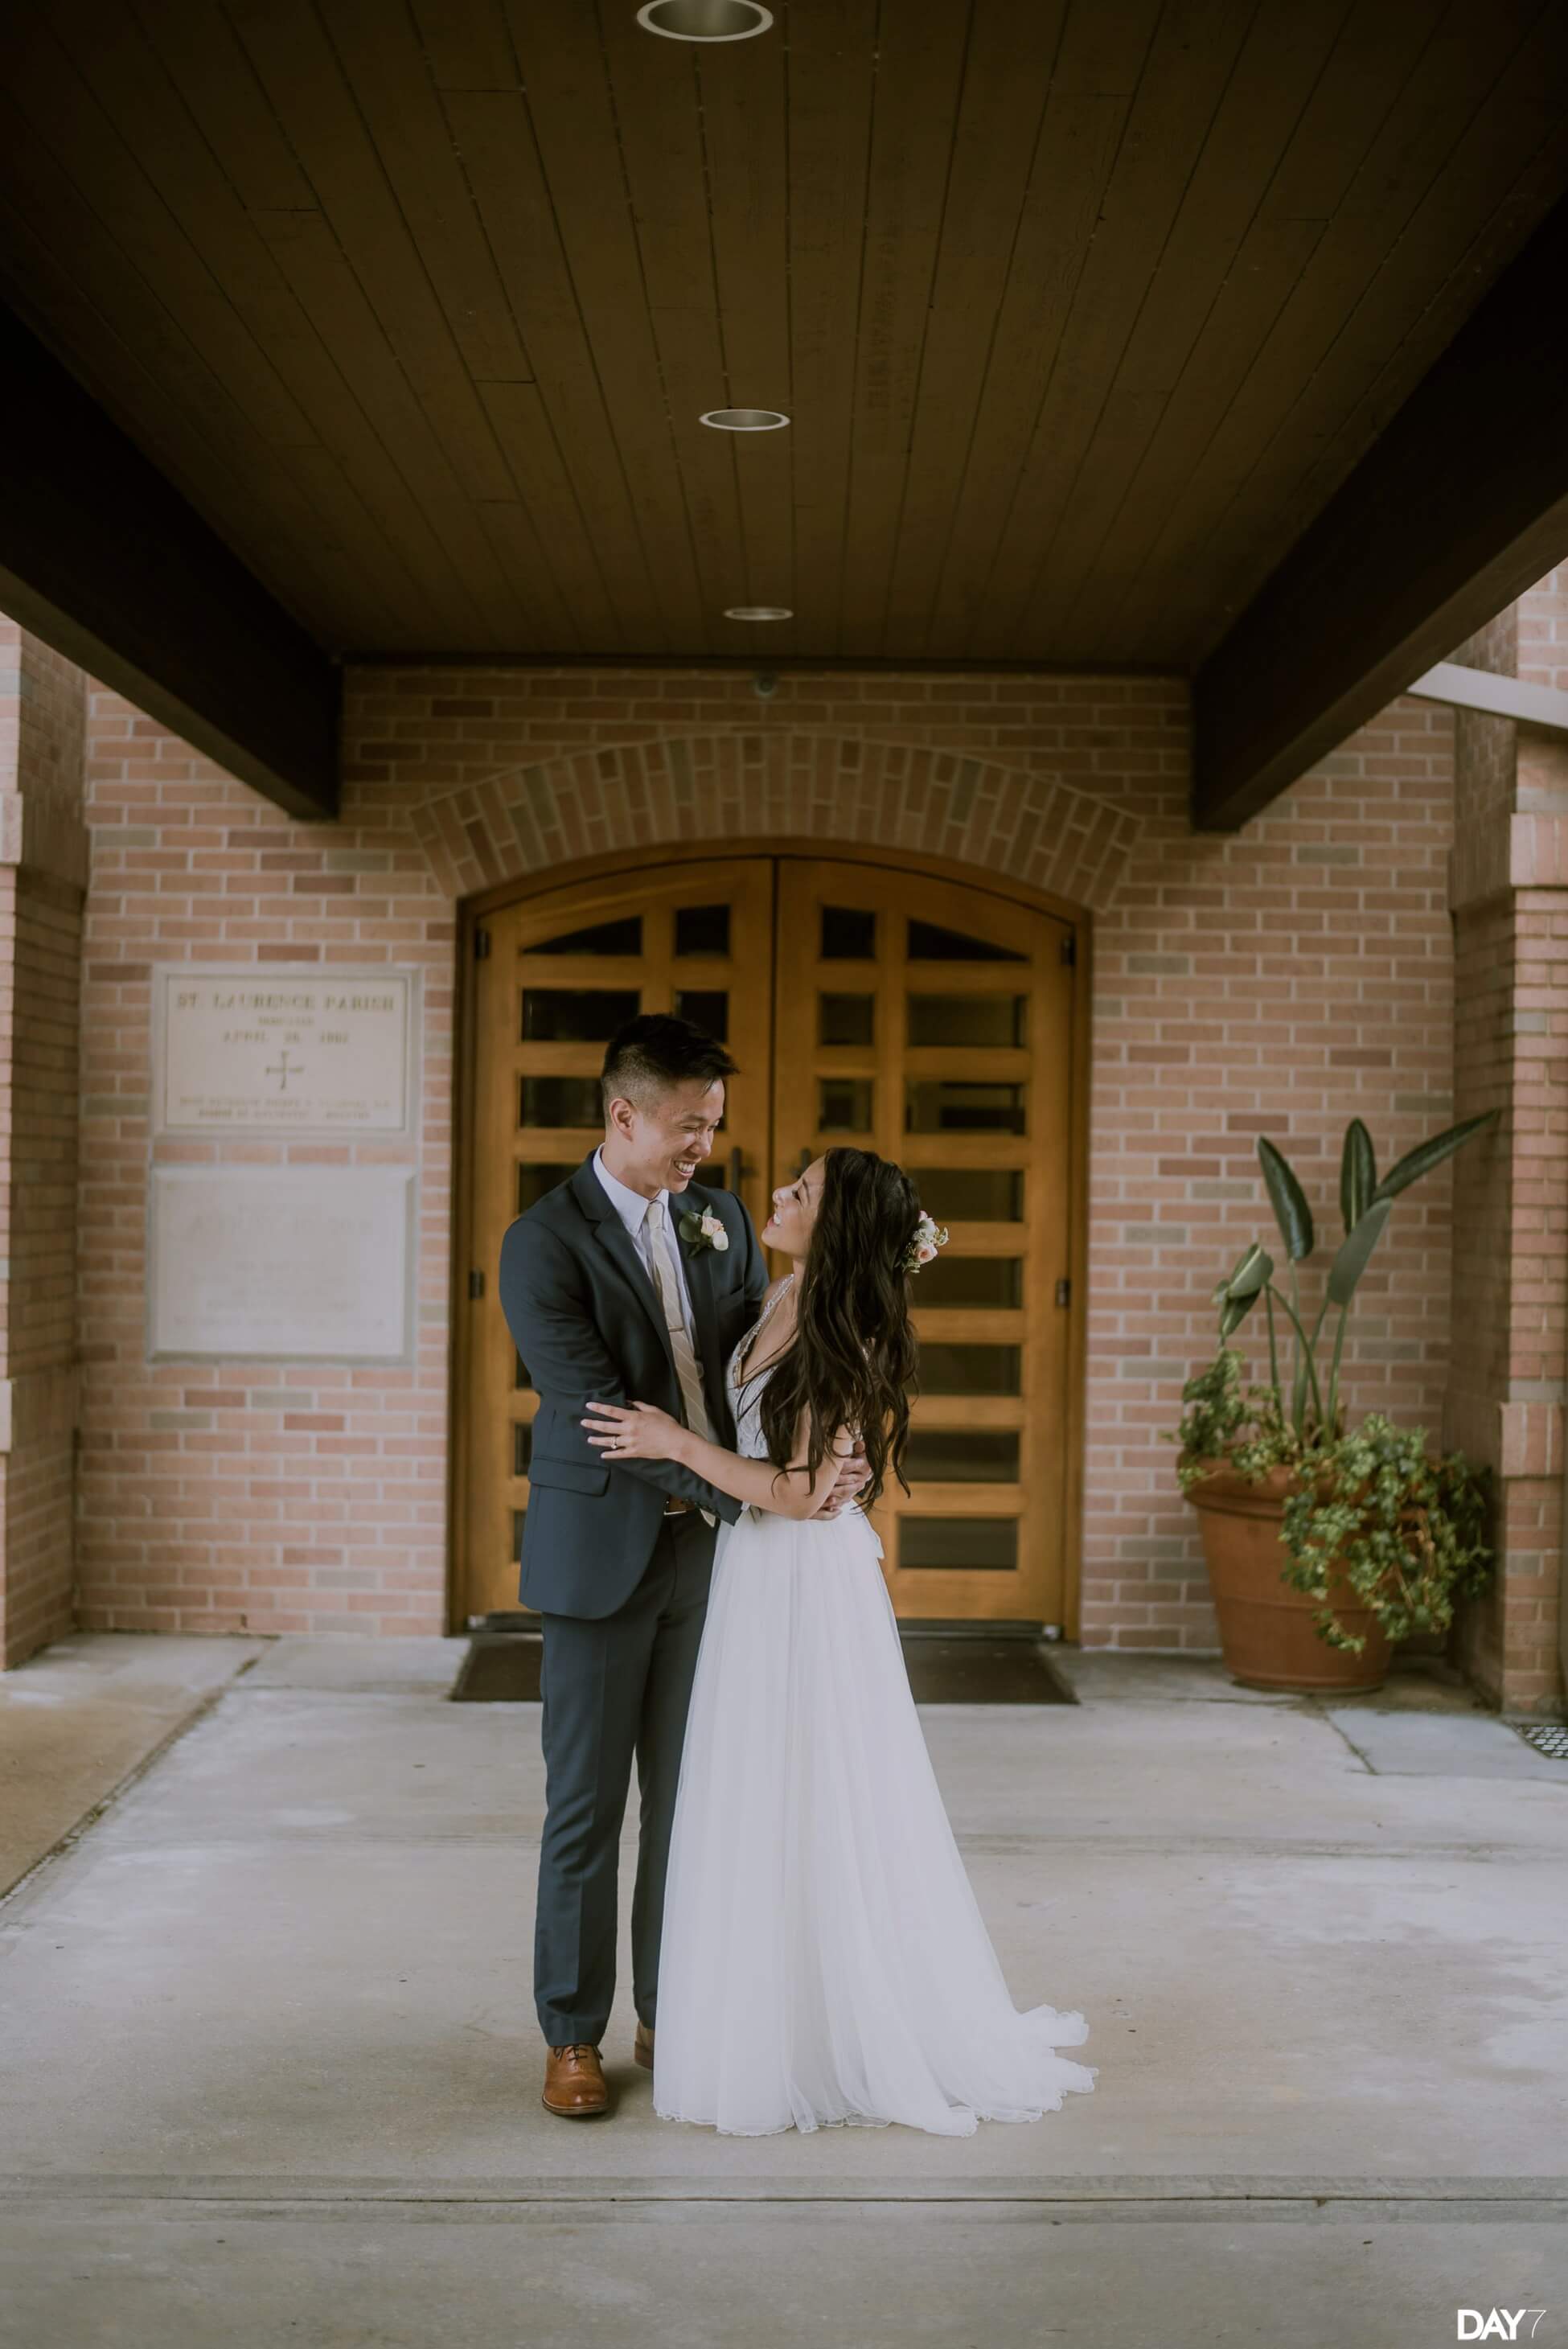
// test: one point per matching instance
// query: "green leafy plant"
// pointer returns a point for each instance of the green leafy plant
(1403, 1528)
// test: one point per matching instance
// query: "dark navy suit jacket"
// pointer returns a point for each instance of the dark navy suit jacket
(584, 1317)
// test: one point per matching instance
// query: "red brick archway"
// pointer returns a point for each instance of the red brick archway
(723, 785)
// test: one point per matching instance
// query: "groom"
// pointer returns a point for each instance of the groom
(628, 1283)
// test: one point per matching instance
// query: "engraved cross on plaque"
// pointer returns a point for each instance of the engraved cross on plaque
(281, 1070)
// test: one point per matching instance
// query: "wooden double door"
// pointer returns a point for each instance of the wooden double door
(920, 1017)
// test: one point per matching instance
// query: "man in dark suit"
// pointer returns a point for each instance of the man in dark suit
(628, 1282)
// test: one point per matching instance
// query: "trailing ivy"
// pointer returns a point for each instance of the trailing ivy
(1404, 1527)
(1245, 1426)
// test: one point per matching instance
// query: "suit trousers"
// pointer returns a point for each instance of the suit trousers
(613, 1688)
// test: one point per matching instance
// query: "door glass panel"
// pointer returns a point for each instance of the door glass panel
(706, 1008)
(702, 929)
(996, 1280)
(928, 942)
(988, 1545)
(715, 1173)
(519, 1376)
(962, 1455)
(971, 1195)
(533, 1181)
(982, 1021)
(521, 1445)
(970, 1369)
(844, 1105)
(846, 1019)
(576, 1015)
(622, 937)
(563, 1101)
(944, 1105)
(849, 935)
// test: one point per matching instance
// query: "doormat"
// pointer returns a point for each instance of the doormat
(502, 1667)
(968, 1667)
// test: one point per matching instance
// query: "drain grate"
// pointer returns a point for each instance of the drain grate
(1549, 1738)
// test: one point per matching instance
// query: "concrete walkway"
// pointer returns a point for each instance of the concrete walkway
(269, 2071)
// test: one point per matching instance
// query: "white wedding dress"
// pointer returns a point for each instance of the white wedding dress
(824, 1958)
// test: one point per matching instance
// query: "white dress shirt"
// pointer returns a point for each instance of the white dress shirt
(633, 1209)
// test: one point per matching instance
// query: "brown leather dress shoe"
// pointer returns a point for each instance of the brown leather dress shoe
(643, 2046)
(574, 2082)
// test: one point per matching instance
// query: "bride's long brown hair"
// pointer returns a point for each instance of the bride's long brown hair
(851, 1361)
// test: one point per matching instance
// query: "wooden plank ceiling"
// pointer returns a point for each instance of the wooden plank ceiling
(1082, 309)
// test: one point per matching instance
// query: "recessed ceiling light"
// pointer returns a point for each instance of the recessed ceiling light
(758, 612)
(705, 20)
(744, 419)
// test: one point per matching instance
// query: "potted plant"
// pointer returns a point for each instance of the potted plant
(1378, 1535)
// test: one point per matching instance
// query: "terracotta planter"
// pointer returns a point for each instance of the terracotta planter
(1266, 1631)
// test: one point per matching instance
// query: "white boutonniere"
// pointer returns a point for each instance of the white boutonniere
(703, 1231)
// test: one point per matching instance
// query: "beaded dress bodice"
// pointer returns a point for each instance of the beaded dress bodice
(746, 1393)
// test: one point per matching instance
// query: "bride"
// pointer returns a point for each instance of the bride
(824, 1958)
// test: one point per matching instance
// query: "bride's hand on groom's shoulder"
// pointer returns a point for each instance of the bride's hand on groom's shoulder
(638, 1432)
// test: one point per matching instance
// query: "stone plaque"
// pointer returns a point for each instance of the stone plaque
(282, 1050)
(296, 1263)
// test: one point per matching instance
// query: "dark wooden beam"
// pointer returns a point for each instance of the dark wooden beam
(102, 558)
(1462, 504)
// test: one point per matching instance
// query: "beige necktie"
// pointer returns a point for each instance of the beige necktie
(666, 1281)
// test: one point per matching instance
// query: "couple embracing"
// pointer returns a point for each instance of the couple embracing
(806, 1948)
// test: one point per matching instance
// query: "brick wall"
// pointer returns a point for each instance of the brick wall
(1277, 982)
(273, 1498)
(1281, 981)
(43, 877)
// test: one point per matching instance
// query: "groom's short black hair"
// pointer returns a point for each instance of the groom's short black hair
(656, 1050)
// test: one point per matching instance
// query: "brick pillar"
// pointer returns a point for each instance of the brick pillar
(1509, 894)
(43, 883)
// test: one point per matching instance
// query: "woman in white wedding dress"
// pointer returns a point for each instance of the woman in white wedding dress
(824, 1958)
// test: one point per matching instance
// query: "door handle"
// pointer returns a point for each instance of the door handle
(737, 1169)
(801, 1164)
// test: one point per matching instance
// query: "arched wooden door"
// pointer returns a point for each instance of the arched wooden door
(928, 1019)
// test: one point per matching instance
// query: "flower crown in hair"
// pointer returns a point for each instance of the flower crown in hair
(929, 1237)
